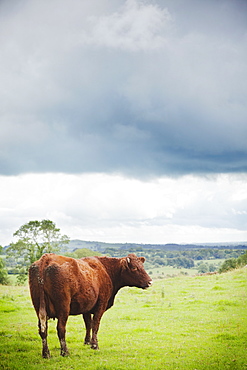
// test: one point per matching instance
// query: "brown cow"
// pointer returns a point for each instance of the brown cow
(62, 286)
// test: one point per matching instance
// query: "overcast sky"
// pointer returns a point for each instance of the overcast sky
(124, 120)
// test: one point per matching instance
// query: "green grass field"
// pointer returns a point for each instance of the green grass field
(189, 323)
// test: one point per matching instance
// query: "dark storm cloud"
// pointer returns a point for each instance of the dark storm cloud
(142, 88)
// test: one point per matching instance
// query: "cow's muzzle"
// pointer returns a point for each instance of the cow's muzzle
(148, 284)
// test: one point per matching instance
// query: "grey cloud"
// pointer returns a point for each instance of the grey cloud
(136, 26)
(90, 89)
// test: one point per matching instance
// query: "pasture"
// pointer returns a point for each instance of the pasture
(190, 323)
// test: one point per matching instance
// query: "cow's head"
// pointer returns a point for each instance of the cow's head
(133, 273)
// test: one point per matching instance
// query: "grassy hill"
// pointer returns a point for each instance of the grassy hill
(183, 323)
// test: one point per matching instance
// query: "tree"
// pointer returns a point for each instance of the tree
(159, 261)
(203, 268)
(227, 265)
(85, 252)
(212, 267)
(242, 260)
(233, 263)
(4, 280)
(181, 262)
(34, 239)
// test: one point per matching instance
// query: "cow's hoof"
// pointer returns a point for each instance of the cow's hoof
(94, 346)
(87, 342)
(46, 354)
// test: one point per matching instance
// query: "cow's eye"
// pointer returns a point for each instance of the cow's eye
(134, 268)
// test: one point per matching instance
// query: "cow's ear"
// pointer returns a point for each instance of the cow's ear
(142, 259)
(125, 262)
(128, 261)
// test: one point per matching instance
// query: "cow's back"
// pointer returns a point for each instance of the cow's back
(70, 285)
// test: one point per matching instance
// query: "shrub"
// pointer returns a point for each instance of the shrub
(242, 260)
(227, 265)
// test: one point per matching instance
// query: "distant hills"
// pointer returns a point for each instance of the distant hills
(102, 246)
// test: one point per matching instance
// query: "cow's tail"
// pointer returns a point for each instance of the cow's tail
(42, 314)
(42, 310)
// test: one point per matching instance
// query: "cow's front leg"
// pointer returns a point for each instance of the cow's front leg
(95, 327)
(94, 341)
(88, 323)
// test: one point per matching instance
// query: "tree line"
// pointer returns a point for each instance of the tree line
(176, 258)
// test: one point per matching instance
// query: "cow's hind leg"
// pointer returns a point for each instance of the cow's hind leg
(88, 323)
(61, 324)
(43, 335)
